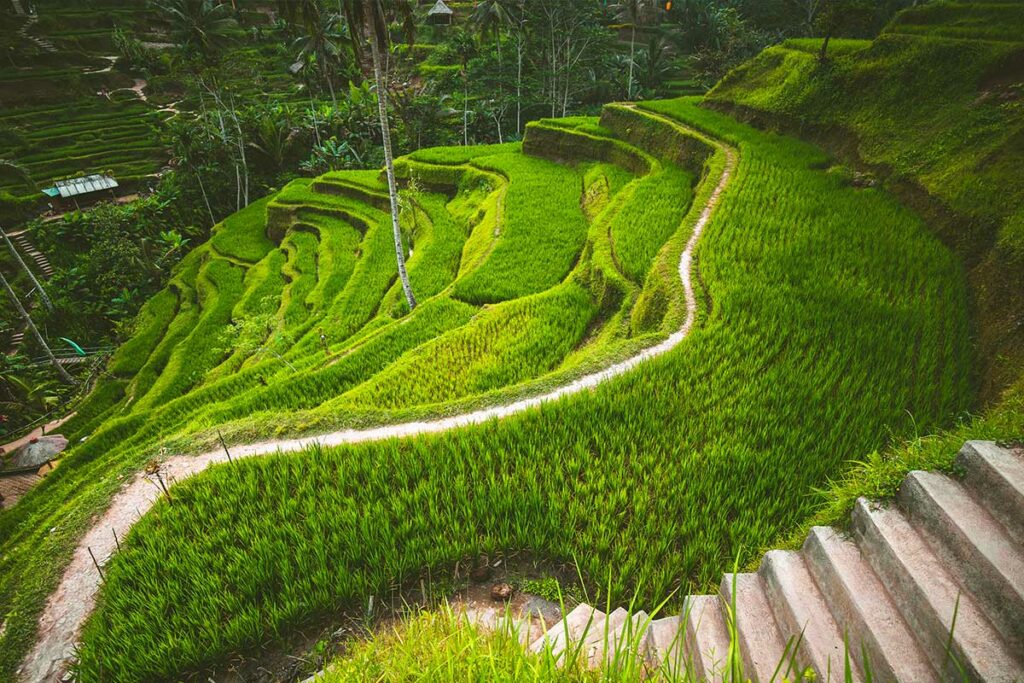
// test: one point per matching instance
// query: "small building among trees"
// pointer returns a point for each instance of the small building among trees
(84, 190)
(440, 14)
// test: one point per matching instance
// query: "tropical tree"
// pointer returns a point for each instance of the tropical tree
(13, 168)
(323, 43)
(835, 16)
(655, 62)
(198, 23)
(61, 372)
(273, 137)
(491, 16)
(629, 11)
(465, 49)
(369, 19)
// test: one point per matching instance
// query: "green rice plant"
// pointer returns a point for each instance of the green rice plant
(436, 249)
(503, 345)
(264, 280)
(541, 234)
(336, 258)
(150, 327)
(439, 646)
(300, 273)
(218, 286)
(183, 285)
(242, 235)
(653, 213)
(453, 156)
(361, 362)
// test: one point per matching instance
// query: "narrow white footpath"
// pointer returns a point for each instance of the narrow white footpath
(68, 607)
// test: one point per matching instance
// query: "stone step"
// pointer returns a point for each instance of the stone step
(593, 643)
(581, 621)
(706, 638)
(801, 613)
(628, 640)
(761, 644)
(861, 603)
(995, 477)
(667, 645)
(928, 596)
(979, 553)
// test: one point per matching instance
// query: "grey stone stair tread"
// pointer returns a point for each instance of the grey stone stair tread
(582, 618)
(995, 476)
(979, 553)
(666, 643)
(761, 644)
(861, 603)
(706, 638)
(802, 614)
(928, 596)
(627, 639)
(593, 643)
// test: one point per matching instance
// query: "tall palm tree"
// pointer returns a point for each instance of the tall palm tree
(629, 11)
(198, 23)
(465, 49)
(491, 16)
(369, 19)
(323, 42)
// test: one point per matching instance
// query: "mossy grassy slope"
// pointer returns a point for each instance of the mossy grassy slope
(834, 319)
(935, 107)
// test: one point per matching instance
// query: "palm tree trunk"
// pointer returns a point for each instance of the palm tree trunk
(519, 83)
(206, 199)
(465, 107)
(61, 372)
(389, 165)
(632, 43)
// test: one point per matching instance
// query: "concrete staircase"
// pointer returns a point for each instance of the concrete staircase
(42, 43)
(930, 588)
(25, 245)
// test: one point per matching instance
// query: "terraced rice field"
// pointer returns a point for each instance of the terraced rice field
(829, 319)
(503, 257)
(56, 120)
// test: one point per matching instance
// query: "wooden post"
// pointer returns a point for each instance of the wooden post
(64, 376)
(224, 445)
(97, 564)
(164, 487)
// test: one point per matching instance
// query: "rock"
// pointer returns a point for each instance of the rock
(501, 592)
(863, 180)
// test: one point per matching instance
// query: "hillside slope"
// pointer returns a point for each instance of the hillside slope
(813, 297)
(935, 109)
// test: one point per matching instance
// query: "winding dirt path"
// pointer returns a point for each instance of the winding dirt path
(68, 607)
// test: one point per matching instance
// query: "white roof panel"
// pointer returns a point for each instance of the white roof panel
(74, 187)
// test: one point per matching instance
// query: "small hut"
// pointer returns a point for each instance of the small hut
(440, 14)
(88, 189)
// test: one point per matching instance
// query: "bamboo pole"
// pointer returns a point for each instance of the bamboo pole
(64, 376)
(31, 276)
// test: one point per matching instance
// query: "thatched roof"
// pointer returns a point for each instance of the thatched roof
(440, 8)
